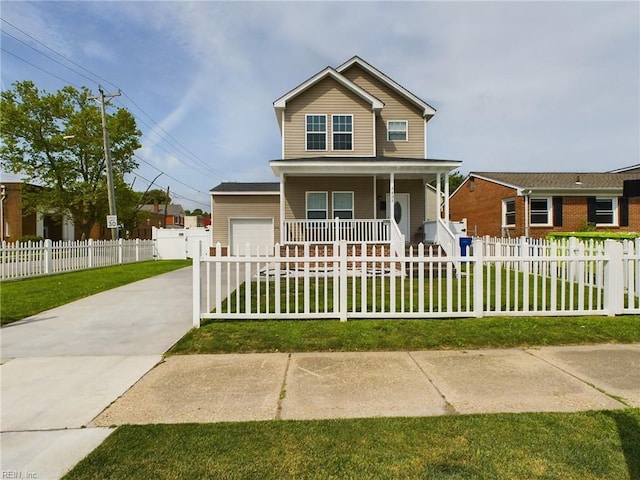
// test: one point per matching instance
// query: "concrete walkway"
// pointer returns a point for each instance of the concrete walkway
(69, 374)
(62, 367)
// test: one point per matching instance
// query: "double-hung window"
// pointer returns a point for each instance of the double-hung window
(343, 132)
(397, 131)
(316, 205)
(509, 212)
(343, 205)
(540, 213)
(605, 211)
(316, 130)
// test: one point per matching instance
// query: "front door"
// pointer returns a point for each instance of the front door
(401, 213)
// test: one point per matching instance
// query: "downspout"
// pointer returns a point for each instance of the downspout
(527, 206)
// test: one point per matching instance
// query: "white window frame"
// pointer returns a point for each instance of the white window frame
(306, 205)
(333, 132)
(614, 211)
(505, 201)
(406, 130)
(307, 132)
(549, 212)
(333, 204)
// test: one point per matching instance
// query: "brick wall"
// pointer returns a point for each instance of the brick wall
(480, 202)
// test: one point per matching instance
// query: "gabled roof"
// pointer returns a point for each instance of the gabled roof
(427, 110)
(328, 72)
(561, 182)
(246, 188)
(172, 209)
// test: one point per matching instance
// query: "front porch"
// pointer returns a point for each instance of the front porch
(379, 200)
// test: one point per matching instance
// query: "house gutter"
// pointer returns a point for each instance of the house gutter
(3, 196)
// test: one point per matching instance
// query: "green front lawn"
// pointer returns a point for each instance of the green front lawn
(578, 446)
(244, 336)
(22, 298)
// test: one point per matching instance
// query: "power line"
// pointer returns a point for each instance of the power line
(59, 54)
(194, 161)
(39, 68)
(173, 193)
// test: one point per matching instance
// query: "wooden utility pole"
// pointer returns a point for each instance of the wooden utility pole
(109, 165)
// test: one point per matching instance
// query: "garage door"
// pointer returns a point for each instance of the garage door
(257, 232)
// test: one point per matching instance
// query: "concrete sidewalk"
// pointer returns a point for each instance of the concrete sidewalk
(220, 388)
(62, 367)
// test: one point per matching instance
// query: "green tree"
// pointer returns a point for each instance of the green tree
(55, 141)
(155, 195)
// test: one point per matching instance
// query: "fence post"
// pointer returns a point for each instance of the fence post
(196, 285)
(47, 256)
(90, 252)
(613, 281)
(478, 277)
(120, 252)
(342, 265)
(137, 250)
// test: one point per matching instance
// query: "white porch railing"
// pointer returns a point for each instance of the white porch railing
(32, 259)
(329, 231)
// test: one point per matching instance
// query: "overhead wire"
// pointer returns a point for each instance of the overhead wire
(193, 160)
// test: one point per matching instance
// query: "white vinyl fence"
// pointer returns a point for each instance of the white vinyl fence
(32, 259)
(498, 277)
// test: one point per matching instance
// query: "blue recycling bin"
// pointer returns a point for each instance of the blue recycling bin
(465, 242)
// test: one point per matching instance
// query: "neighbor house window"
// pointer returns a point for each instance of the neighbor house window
(316, 132)
(602, 211)
(343, 205)
(343, 132)
(540, 213)
(316, 205)
(509, 212)
(397, 130)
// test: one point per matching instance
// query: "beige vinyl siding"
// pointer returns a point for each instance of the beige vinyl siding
(296, 188)
(327, 97)
(362, 188)
(243, 206)
(396, 107)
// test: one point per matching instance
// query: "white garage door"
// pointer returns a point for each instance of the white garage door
(257, 232)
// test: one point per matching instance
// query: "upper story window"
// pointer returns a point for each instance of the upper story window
(343, 205)
(397, 131)
(316, 205)
(343, 132)
(316, 130)
(509, 212)
(603, 211)
(540, 213)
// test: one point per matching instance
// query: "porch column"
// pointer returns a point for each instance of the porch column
(282, 178)
(446, 198)
(392, 196)
(439, 193)
(375, 198)
(426, 201)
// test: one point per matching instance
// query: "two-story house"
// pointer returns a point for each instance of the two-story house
(354, 167)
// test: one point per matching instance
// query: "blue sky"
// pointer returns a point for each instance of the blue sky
(518, 86)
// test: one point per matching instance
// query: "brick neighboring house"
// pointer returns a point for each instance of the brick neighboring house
(512, 204)
(164, 216)
(354, 148)
(14, 224)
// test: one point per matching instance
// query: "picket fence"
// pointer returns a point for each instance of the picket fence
(46, 257)
(497, 277)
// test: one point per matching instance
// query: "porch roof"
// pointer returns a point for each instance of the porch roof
(331, 166)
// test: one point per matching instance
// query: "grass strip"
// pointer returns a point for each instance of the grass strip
(403, 335)
(580, 446)
(22, 298)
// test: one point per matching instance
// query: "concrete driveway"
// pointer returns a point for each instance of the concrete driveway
(62, 367)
